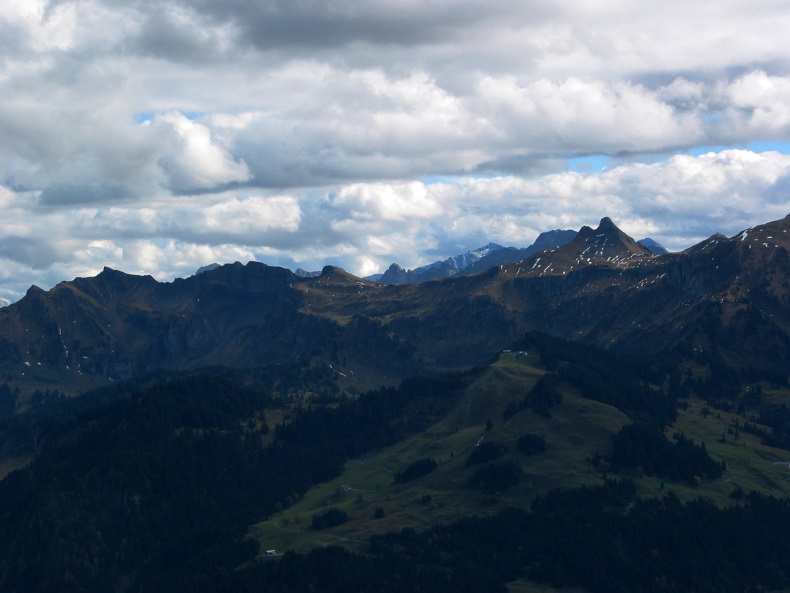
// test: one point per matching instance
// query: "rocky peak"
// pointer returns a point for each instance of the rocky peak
(606, 242)
(302, 273)
(606, 224)
(395, 274)
(337, 276)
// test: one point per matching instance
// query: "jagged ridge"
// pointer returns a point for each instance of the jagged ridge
(602, 287)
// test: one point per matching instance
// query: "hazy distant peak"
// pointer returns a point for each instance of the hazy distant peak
(305, 274)
(652, 246)
(207, 268)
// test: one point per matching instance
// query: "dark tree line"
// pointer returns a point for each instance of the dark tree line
(142, 486)
(603, 539)
(485, 452)
(776, 417)
(496, 477)
(635, 384)
(329, 518)
(543, 396)
(643, 445)
(376, 419)
(416, 469)
(531, 444)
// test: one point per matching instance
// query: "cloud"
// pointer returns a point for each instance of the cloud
(366, 226)
(311, 25)
(678, 201)
(386, 203)
(584, 116)
(70, 194)
(192, 160)
(760, 103)
(38, 253)
(159, 137)
(177, 33)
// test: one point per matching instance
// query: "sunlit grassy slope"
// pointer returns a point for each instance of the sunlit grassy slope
(575, 432)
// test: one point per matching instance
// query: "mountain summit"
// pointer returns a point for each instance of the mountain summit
(732, 294)
(473, 262)
(606, 245)
(606, 242)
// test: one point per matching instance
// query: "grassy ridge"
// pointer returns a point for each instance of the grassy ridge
(577, 430)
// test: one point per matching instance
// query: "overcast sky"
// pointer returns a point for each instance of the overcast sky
(158, 137)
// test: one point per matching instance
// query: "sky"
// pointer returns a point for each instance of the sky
(159, 137)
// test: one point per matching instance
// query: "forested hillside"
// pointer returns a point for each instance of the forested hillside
(154, 485)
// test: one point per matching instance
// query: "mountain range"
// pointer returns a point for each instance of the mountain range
(593, 417)
(602, 287)
(477, 260)
(483, 258)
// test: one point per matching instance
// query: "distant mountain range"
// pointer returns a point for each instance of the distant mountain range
(473, 261)
(601, 287)
(483, 258)
(440, 269)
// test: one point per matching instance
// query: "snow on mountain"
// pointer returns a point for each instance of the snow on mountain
(440, 269)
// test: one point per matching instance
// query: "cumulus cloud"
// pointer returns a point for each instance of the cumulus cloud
(585, 116)
(385, 203)
(678, 201)
(194, 161)
(159, 137)
(760, 103)
(367, 226)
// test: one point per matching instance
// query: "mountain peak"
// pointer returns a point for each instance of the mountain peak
(117, 325)
(328, 270)
(606, 224)
(207, 268)
(336, 275)
(34, 290)
(606, 245)
(305, 274)
(653, 246)
(487, 248)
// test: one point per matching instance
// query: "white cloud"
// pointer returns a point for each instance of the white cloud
(249, 219)
(367, 226)
(195, 161)
(581, 115)
(386, 203)
(158, 137)
(761, 103)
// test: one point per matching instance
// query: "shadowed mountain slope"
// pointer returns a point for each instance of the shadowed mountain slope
(731, 294)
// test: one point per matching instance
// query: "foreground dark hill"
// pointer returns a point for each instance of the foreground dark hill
(726, 295)
(462, 483)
